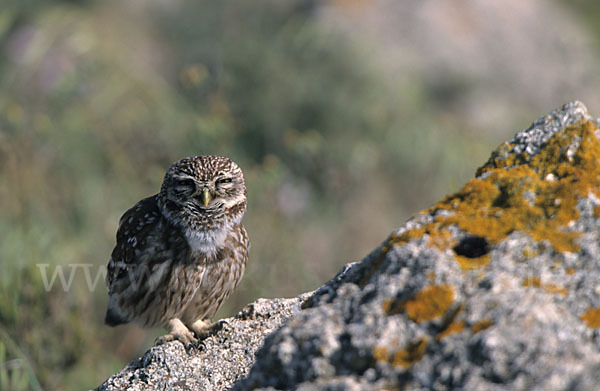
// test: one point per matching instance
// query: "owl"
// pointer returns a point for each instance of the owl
(181, 252)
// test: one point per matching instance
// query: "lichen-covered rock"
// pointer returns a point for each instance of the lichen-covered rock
(219, 360)
(495, 287)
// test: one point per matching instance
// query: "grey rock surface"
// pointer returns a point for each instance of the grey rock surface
(219, 360)
(496, 287)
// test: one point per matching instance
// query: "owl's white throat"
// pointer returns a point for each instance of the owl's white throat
(206, 242)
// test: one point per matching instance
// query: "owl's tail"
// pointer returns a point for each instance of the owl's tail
(114, 315)
(114, 318)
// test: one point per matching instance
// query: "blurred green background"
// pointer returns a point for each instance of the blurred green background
(346, 116)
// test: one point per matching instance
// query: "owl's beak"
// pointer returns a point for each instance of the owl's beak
(205, 197)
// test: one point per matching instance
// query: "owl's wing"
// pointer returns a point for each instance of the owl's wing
(137, 227)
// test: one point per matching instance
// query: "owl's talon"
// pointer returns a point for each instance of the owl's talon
(218, 325)
(185, 339)
(191, 347)
(200, 345)
(201, 328)
(163, 339)
(178, 332)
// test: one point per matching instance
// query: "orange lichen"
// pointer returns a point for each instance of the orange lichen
(481, 325)
(412, 353)
(392, 306)
(429, 303)
(454, 327)
(550, 288)
(536, 195)
(381, 354)
(597, 211)
(532, 281)
(592, 317)
(407, 236)
(467, 263)
(570, 271)
(442, 239)
(529, 252)
(496, 206)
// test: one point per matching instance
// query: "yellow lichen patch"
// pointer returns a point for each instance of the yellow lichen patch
(529, 252)
(503, 157)
(387, 305)
(561, 241)
(406, 357)
(412, 353)
(406, 236)
(597, 211)
(550, 288)
(494, 214)
(429, 303)
(481, 325)
(442, 239)
(381, 354)
(392, 306)
(592, 317)
(536, 195)
(454, 327)
(570, 271)
(473, 263)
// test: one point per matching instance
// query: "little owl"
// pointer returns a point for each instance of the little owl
(181, 252)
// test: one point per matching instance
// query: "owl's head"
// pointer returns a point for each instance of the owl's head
(204, 193)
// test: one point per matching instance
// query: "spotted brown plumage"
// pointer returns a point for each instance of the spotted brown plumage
(180, 253)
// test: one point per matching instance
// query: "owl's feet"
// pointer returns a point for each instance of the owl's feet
(204, 328)
(177, 332)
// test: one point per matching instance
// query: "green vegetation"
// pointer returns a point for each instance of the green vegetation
(589, 12)
(98, 98)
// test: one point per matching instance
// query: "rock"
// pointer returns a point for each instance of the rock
(218, 361)
(495, 287)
